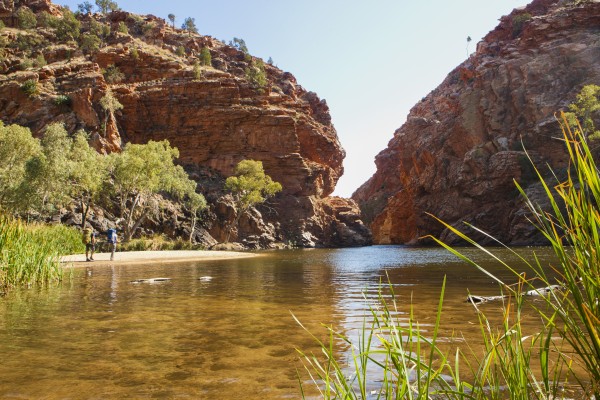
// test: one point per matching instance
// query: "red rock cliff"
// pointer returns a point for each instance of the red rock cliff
(215, 120)
(460, 148)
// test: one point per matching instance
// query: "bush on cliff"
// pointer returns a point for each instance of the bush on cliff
(26, 18)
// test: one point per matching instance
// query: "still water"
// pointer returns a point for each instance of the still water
(218, 329)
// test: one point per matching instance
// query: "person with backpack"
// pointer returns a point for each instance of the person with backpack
(111, 237)
(89, 240)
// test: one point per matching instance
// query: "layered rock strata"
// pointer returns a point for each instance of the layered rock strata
(462, 146)
(213, 114)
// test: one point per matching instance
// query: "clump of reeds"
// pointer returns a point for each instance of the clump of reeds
(568, 345)
(29, 255)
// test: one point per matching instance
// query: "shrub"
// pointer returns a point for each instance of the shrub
(67, 27)
(26, 18)
(28, 42)
(30, 87)
(256, 75)
(106, 6)
(122, 28)
(518, 23)
(180, 51)
(2, 26)
(205, 57)
(134, 53)
(62, 100)
(46, 20)
(40, 61)
(25, 64)
(90, 43)
(112, 74)
(197, 71)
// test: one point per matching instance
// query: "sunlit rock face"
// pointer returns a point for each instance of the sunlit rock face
(462, 146)
(215, 120)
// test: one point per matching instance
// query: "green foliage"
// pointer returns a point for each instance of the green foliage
(46, 20)
(25, 64)
(90, 43)
(172, 19)
(40, 61)
(28, 42)
(106, 6)
(17, 146)
(189, 24)
(26, 18)
(205, 57)
(87, 172)
(99, 29)
(67, 27)
(46, 174)
(139, 173)
(134, 53)
(256, 75)
(85, 8)
(240, 44)
(586, 105)
(270, 61)
(2, 26)
(249, 186)
(518, 23)
(122, 28)
(148, 27)
(157, 243)
(112, 74)
(62, 100)
(109, 103)
(197, 71)
(30, 87)
(29, 256)
(180, 51)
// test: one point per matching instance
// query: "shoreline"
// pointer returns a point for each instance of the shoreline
(140, 257)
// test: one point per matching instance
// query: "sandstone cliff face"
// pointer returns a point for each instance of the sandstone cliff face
(460, 148)
(215, 121)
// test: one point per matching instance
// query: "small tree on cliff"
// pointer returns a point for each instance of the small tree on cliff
(172, 19)
(189, 24)
(109, 104)
(586, 104)
(249, 186)
(106, 6)
(140, 172)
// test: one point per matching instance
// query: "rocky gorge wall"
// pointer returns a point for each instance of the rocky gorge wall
(215, 120)
(462, 145)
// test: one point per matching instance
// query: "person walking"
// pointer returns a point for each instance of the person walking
(89, 239)
(112, 240)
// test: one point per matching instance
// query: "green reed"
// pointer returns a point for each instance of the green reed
(512, 364)
(29, 254)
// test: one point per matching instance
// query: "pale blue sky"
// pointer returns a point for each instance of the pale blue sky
(371, 60)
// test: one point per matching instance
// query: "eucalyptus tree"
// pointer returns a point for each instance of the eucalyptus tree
(172, 19)
(89, 170)
(140, 173)
(249, 186)
(106, 6)
(189, 24)
(47, 173)
(17, 146)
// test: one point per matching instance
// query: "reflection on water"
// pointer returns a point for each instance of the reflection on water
(216, 329)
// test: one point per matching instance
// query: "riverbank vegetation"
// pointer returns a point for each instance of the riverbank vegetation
(29, 254)
(561, 360)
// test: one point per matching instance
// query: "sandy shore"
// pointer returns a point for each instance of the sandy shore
(137, 257)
